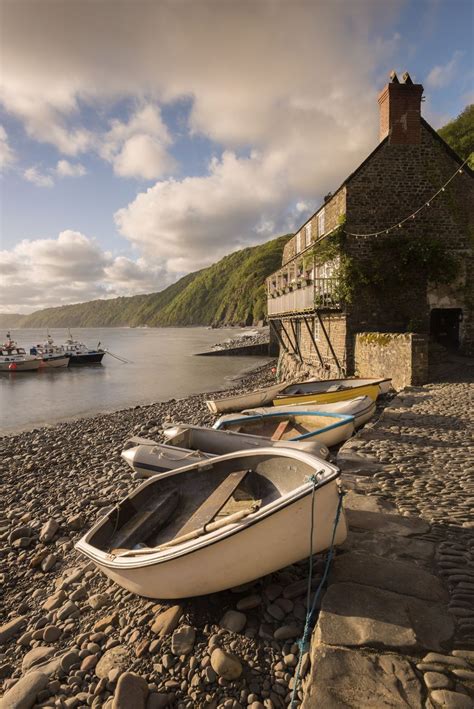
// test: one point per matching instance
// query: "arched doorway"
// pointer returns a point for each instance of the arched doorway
(444, 326)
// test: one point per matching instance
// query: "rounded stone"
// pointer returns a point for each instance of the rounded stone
(233, 621)
(225, 664)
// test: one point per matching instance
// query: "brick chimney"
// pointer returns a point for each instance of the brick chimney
(400, 111)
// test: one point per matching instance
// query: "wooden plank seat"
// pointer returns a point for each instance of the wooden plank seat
(211, 506)
(147, 520)
(280, 430)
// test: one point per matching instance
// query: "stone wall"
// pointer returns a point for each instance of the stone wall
(401, 356)
(389, 186)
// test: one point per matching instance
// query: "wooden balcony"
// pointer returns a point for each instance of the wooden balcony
(320, 293)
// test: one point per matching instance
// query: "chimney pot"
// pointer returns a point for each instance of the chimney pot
(400, 111)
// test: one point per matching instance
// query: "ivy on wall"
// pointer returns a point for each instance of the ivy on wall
(397, 262)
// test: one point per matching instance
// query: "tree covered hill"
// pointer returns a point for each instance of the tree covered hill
(459, 134)
(230, 291)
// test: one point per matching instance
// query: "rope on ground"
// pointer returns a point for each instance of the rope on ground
(304, 642)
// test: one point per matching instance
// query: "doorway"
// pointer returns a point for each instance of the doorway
(444, 326)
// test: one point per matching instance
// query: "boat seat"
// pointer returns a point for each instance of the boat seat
(336, 387)
(211, 506)
(146, 520)
(280, 430)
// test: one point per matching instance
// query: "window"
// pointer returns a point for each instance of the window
(308, 234)
(316, 329)
(321, 224)
(298, 242)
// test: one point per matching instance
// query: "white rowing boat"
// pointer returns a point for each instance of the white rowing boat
(362, 408)
(191, 444)
(289, 426)
(260, 397)
(218, 524)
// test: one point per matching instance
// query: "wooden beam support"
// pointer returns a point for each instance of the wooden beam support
(314, 342)
(279, 337)
(292, 323)
(288, 337)
(323, 328)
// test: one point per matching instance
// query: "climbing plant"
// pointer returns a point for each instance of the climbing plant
(396, 262)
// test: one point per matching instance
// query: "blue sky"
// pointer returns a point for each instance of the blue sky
(143, 140)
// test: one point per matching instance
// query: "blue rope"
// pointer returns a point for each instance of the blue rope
(303, 644)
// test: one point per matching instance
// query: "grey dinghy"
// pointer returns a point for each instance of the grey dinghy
(189, 444)
(217, 524)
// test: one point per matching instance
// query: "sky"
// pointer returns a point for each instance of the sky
(144, 139)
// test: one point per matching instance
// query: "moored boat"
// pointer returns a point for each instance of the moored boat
(330, 390)
(80, 353)
(51, 355)
(15, 359)
(288, 426)
(260, 397)
(218, 524)
(362, 408)
(190, 444)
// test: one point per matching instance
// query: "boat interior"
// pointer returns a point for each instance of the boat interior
(167, 508)
(328, 385)
(281, 427)
(216, 442)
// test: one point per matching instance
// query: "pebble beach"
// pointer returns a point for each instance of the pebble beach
(71, 638)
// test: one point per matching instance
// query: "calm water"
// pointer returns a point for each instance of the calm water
(161, 367)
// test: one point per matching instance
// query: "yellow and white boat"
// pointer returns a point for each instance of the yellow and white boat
(331, 390)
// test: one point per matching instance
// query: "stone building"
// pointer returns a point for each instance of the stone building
(385, 265)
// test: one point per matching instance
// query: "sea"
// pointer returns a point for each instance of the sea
(160, 365)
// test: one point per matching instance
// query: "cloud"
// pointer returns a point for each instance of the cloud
(271, 86)
(190, 223)
(7, 154)
(32, 174)
(442, 75)
(71, 268)
(64, 168)
(139, 148)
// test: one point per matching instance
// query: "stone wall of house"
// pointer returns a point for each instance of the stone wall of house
(305, 361)
(401, 356)
(393, 183)
(334, 208)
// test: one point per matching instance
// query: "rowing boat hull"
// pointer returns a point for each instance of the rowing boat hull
(261, 543)
(329, 429)
(372, 390)
(362, 408)
(220, 442)
(261, 397)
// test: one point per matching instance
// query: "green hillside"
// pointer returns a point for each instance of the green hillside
(459, 134)
(229, 292)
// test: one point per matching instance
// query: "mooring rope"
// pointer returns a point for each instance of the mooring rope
(303, 644)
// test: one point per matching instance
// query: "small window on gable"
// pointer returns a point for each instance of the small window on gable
(321, 223)
(308, 234)
(298, 242)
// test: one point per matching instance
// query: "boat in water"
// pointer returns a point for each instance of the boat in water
(294, 426)
(218, 524)
(79, 353)
(51, 355)
(330, 390)
(191, 444)
(15, 359)
(362, 408)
